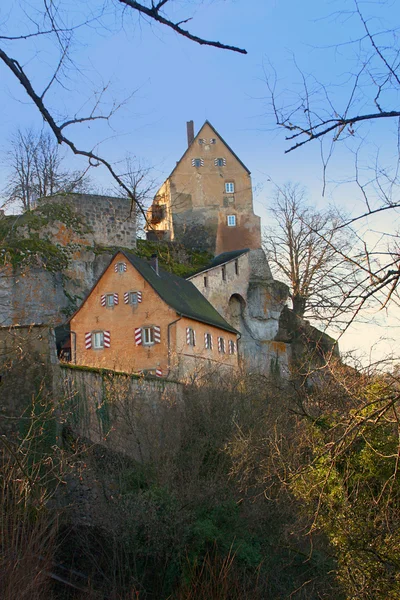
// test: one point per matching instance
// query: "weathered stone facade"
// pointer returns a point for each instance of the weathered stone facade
(207, 201)
(241, 288)
(31, 293)
(111, 221)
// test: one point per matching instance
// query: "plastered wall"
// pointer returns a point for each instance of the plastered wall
(172, 354)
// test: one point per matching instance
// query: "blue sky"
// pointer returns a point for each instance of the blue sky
(170, 80)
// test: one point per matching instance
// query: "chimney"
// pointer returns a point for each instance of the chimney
(190, 131)
(154, 263)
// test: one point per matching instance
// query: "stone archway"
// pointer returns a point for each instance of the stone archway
(236, 308)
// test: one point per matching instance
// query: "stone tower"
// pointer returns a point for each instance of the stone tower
(207, 200)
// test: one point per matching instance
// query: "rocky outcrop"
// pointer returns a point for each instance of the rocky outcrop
(52, 256)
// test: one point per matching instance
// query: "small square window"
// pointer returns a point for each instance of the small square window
(213, 141)
(202, 141)
(121, 267)
(133, 298)
(229, 187)
(219, 162)
(109, 300)
(148, 336)
(197, 162)
(231, 220)
(98, 340)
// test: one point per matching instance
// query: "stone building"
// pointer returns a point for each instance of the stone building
(139, 318)
(207, 200)
(240, 286)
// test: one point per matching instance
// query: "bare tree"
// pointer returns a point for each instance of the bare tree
(55, 23)
(36, 170)
(316, 113)
(308, 250)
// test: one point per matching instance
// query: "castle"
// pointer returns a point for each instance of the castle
(205, 203)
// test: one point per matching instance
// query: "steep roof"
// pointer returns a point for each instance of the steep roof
(221, 259)
(222, 140)
(179, 294)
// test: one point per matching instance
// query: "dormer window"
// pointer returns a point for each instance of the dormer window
(120, 267)
(220, 162)
(197, 162)
(231, 220)
(229, 187)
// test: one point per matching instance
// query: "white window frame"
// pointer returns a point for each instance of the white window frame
(231, 220)
(231, 347)
(202, 141)
(229, 187)
(120, 267)
(221, 345)
(148, 336)
(109, 303)
(98, 340)
(213, 141)
(197, 162)
(219, 162)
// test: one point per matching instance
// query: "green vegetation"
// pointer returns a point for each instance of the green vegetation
(26, 240)
(173, 257)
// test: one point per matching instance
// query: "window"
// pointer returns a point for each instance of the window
(213, 141)
(232, 347)
(202, 141)
(236, 267)
(133, 298)
(221, 345)
(148, 336)
(205, 281)
(109, 300)
(197, 162)
(208, 341)
(224, 273)
(220, 162)
(231, 220)
(98, 339)
(190, 336)
(229, 187)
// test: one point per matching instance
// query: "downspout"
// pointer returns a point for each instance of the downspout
(169, 343)
(73, 347)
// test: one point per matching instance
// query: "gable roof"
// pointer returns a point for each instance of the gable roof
(178, 293)
(222, 140)
(221, 259)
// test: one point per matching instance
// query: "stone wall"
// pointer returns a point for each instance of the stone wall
(28, 368)
(32, 293)
(112, 220)
(124, 413)
(136, 416)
